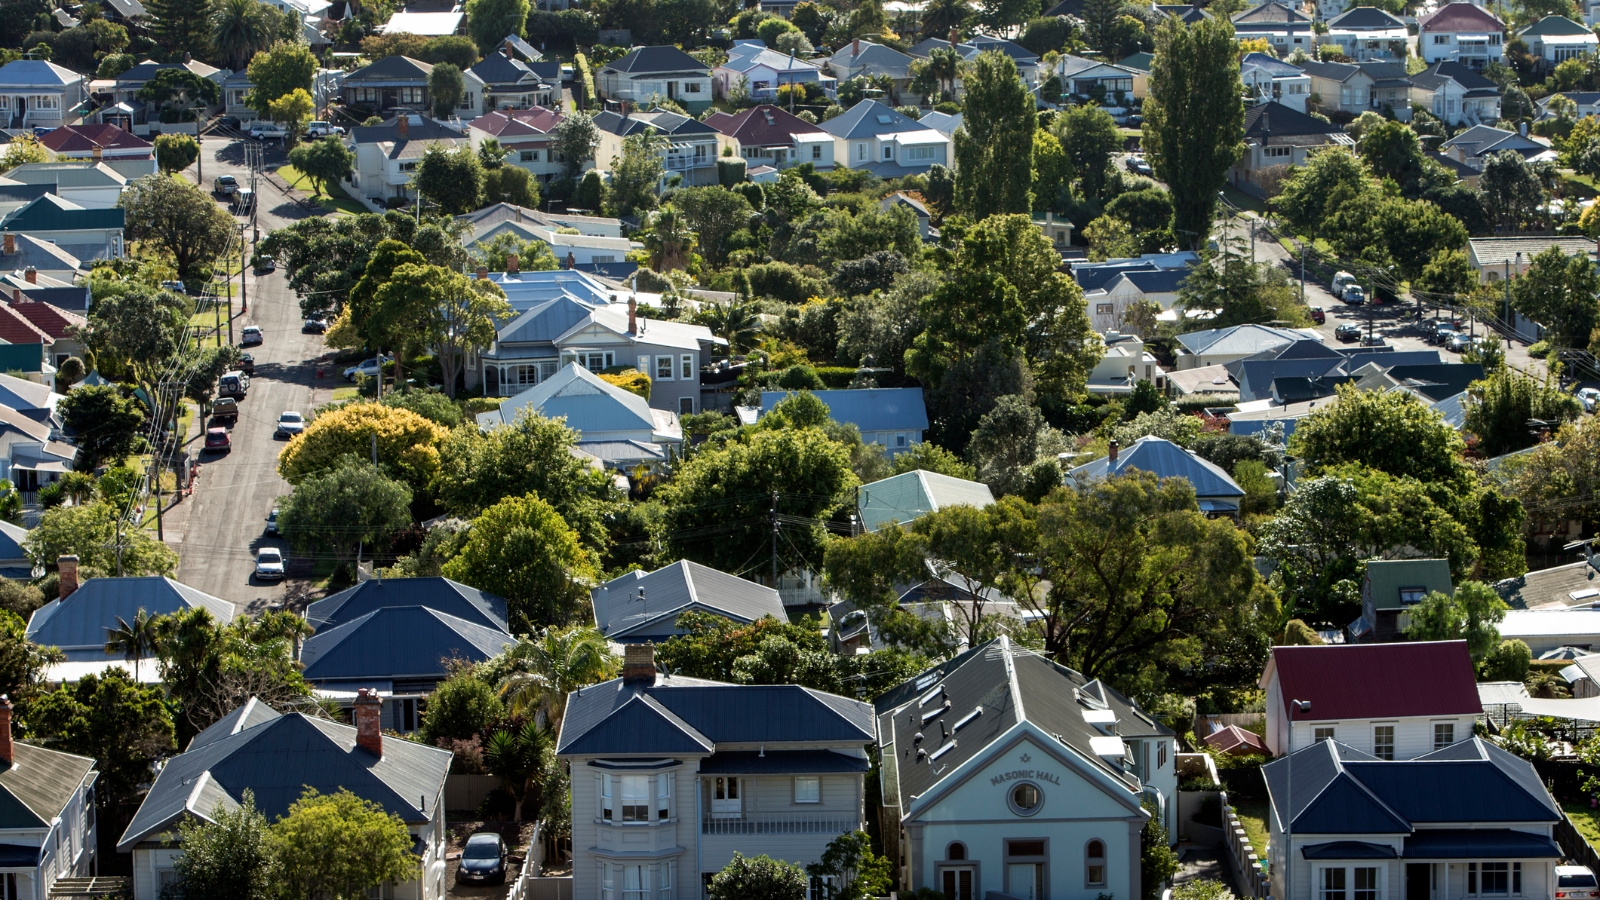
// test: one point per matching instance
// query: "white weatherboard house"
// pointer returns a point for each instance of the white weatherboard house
(1012, 775)
(671, 776)
(47, 817)
(34, 92)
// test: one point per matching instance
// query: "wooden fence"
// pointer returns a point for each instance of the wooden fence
(532, 883)
(1249, 869)
(1574, 846)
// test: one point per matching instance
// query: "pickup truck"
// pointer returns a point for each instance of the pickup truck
(322, 129)
(261, 130)
(224, 184)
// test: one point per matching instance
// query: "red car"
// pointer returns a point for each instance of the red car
(1318, 316)
(217, 439)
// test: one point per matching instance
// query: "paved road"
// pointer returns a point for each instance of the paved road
(223, 524)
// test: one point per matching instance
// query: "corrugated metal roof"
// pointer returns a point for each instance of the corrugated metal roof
(441, 594)
(1389, 576)
(251, 713)
(78, 624)
(1491, 843)
(1378, 681)
(869, 409)
(628, 603)
(782, 762)
(1526, 623)
(36, 786)
(907, 497)
(1164, 459)
(398, 642)
(1348, 850)
(592, 407)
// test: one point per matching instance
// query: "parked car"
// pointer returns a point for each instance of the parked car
(1372, 340)
(483, 859)
(1134, 121)
(1441, 333)
(241, 200)
(272, 521)
(250, 336)
(247, 364)
(322, 129)
(224, 184)
(264, 130)
(217, 439)
(1354, 295)
(1349, 331)
(291, 423)
(367, 367)
(269, 564)
(1458, 342)
(1340, 279)
(225, 408)
(1138, 166)
(567, 72)
(1589, 397)
(1575, 883)
(233, 385)
(314, 326)
(1318, 315)
(265, 264)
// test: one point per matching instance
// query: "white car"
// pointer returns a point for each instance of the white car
(269, 564)
(1589, 397)
(1575, 883)
(323, 129)
(291, 423)
(261, 130)
(250, 336)
(367, 367)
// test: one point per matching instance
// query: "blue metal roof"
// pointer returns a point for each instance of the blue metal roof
(1492, 843)
(869, 409)
(398, 642)
(1164, 459)
(78, 624)
(785, 762)
(441, 594)
(1348, 850)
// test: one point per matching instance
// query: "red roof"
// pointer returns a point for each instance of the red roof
(1456, 17)
(1377, 681)
(762, 126)
(16, 329)
(1233, 739)
(514, 122)
(48, 319)
(79, 138)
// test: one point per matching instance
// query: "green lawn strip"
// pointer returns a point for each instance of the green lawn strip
(1585, 819)
(1253, 816)
(1242, 200)
(335, 200)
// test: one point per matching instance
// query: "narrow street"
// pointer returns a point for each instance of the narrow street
(218, 533)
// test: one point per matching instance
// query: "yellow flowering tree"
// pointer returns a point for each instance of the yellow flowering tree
(407, 444)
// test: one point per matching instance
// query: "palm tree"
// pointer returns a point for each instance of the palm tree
(518, 757)
(939, 16)
(735, 322)
(132, 639)
(669, 240)
(239, 30)
(553, 664)
(944, 64)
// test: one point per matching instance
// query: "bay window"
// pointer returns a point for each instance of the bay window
(636, 882)
(635, 798)
(1349, 883)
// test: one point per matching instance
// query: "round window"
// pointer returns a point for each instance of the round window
(1025, 798)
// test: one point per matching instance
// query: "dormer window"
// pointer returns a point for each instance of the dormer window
(1410, 596)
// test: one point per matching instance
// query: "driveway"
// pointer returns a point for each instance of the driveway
(224, 523)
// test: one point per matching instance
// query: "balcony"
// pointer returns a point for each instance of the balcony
(783, 823)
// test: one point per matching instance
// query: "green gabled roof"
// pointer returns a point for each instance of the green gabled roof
(1389, 576)
(1550, 26)
(51, 213)
(903, 498)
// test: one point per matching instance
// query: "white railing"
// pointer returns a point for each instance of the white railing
(782, 823)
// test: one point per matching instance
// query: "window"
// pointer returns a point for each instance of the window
(820, 887)
(1383, 741)
(663, 368)
(692, 87)
(411, 95)
(955, 851)
(685, 406)
(1276, 152)
(1444, 734)
(664, 795)
(636, 882)
(1322, 734)
(957, 883)
(1094, 864)
(1412, 595)
(466, 100)
(530, 156)
(921, 153)
(700, 151)
(861, 151)
(1025, 799)
(1332, 884)
(11, 885)
(686, 367)
(725, 797)
(1103, 309)
(900, 440)
(1494, 879)
(635, 798)
(1440, 39)
(1161, 748)
(605, 798)
(888, 151)
(816, 151)
(1366, 883)
(807, 789)
(45, 101)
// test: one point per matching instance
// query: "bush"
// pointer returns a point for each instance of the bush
(631, 380)
(460, 708)
(1508, 662)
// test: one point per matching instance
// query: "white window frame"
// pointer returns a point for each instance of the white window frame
(808, 789)
(1324, 733)
(686, 367)
(663, 368)
(1449, 732)
(606, 806)
(1384, 730)
(664, 785)
(1348, 877)
(1476, 872)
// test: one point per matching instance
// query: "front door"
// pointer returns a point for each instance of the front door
(1024, 881)
(957, 884)
(1419, 881)
(725, 798)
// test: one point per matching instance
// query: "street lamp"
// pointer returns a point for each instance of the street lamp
(1303, 706)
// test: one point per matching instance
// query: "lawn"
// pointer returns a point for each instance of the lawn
(1242, 200)
(1581, 186)
(1253, 816)
(341, 394)
(1585, 819)
(334, 201)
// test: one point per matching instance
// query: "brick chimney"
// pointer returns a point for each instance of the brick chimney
(639, 663)
(16, 296)
(5, 729)
(633, 311)
(855, 47)
(31, 274)
(67, 568)
(98, 153)
(11, 244)
(508, 49)
(955, 37)
(404, 124)
(369, 722)
(1113, 450)
(572, 261)
(483, 273)
(511, 263)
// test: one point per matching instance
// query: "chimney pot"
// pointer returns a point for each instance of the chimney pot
(31, 274)
(369, 722)
(1113, 450)
(11, 243)
(483, 273)
(511, 263)
(633, 321)
(67, 570)
(5, 729)
(639, 663)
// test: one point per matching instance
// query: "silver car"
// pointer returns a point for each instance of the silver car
(290, 424)
(269, 564)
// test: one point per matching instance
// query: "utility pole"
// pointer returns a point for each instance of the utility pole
(244, 290)
(772, 513)
(1302, 274)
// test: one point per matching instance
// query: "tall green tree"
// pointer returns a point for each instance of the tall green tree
(520, 549)
(179, 218)
(133, 640)
(1089, 137)
(351, 506)
(1313, 191)
(107, 425)
(1512, 190)
(450, 314)
(551, 664)
(576, 139)
(1558, 292)
(326, 162)
(179, 26)
(1500, 406)
(176, 152)
(994, 147)
(123, 725)
(340, 846)
(451, 178)
(518, 756)
(491, 21)
(209, 669)
(446, 87)
(1391, 431)
(239, 30)
(1470, 614)
(636, 175)
(277, 71)
(1194, 122)
(93, 533)
(225, 854)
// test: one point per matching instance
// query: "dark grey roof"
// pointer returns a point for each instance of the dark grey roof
(982, 698)
(1093, 278)
(1161, 281)
(1366, 17)
(441, 594)
(869, 118)
(1436, 74)
(278, 759)
(251, 713)
(1554, 25)
(79, 623)
(398, 642)
(1268, 121)
(1438, 380)
(690, 715)
(1348, 850)
(1488, 843)
(646, 60)
(786, 762)
(426, 130)
(36, 787)
(499, 69)
(1340, 790)
(1331, 70)
(391, 68)
(1272, 12)
(641, 604)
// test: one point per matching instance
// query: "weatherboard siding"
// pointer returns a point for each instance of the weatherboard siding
(1450, 877)
(1413, 736)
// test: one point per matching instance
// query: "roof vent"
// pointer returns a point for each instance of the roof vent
(943, 750)
(922, 755)
(967, 719)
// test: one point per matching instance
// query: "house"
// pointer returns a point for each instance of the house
(1235, 741)
(1026, 61)
(1552, 39)
(1109, 305)
(764, 71)
(1286, 29)
(31, 452)
(1278, 135)
(1461, 32)
(1056, 229)
(1456, 94)
(1124, 364)
(1263, 376)
(526, 136)
(904, 498)
(874, 136)
(48, 826)
(902, 200)
(1086, 79)
(1184, 13)
(63, 332)
(1214, 489)
(15, 195)
(598, 240)
(1012, 775)
(387, 154)
(1204, 380)
(767, 135)
(1367, 33)
(1501, 258)
(894, 418)
(511, 84)
(1267, 78)
(1391, 587)
(1348, 90)
(671, 776)
(1550, 628)
(98, 143)
(690, 148)
(14, 561)
(600, 412)
(92, 186)
(438, 594)
(400, 653)
(1094, 276)
(1392, 701)
(597, 334)
(1217, 346)
(277, 757)
(864, 59)
(1470, 819)
(1583, 677)
(143, 117)
(35, 93)
(400, 83)
(946, 124)
(1588, 103)
(638, 607)
(87, 234)
(23, 252)
(1574, 584)
(647, 73)
(79, 619)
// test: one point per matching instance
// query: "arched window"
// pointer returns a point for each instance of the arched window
(1094, 864)
(957, 850)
